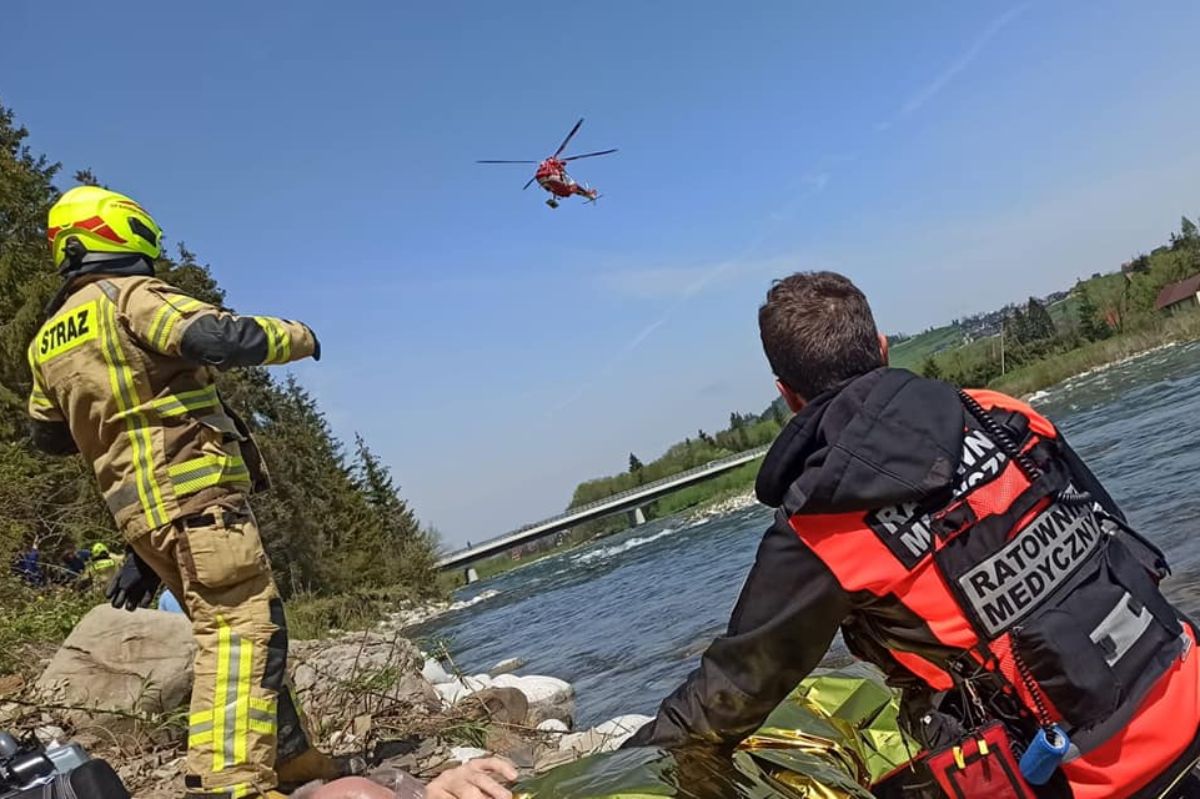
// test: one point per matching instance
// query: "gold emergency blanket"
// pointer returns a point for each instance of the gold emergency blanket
(832, 738)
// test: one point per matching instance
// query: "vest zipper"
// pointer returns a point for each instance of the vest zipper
(1031, 685)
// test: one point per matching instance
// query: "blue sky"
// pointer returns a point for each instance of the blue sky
(947, 156)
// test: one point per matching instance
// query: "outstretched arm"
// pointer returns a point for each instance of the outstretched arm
(785, 619)
(172, 323)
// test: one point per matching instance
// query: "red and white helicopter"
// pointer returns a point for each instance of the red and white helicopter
(552, 174)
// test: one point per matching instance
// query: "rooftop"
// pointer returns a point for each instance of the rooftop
(1177, 292)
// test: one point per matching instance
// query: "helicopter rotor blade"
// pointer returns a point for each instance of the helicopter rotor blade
(563, 146)
(506, 162)
(530, 183)
(588, 155)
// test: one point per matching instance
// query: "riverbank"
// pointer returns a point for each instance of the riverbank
(1179, 329)
(374, 700)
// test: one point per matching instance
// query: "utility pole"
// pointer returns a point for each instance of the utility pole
(1001, 349)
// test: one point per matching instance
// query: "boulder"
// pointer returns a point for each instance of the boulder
(453, 692)
(620, 729)
(507, 666)
(434, 673)
(606, 737)
(549, 697)
(138, 662)
(506, 706)
(338, 681)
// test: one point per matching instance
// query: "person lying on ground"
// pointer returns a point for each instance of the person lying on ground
(475, 779)
(961, 545)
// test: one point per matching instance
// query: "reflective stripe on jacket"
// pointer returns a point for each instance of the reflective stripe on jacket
(117, 366)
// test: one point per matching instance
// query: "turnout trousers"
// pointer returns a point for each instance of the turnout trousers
(243, 717)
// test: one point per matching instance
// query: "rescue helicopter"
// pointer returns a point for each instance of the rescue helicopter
(552, 175)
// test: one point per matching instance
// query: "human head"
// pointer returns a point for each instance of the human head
(817, 330)
(90, 226)
(99, 550)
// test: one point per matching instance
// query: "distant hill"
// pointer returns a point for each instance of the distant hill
(910, 352)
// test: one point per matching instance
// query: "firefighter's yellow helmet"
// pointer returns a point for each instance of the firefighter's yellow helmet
(101, 221)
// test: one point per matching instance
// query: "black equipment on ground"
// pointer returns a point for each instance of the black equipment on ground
(60, 772)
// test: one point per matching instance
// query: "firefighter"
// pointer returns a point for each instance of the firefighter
(958, 543)
(123, 372)
(101, 565)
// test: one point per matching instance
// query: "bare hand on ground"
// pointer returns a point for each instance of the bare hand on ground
(475, 779)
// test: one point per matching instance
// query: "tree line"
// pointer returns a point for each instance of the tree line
(1097, 308)
(334, 522)
(745, 431)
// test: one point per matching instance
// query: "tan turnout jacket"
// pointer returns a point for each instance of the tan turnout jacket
(109, 365)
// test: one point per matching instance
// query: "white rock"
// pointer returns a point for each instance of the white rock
(553, 725)
(451, 692)
(477, 682)
(537, 688)
(549, 697)
(464, 753)
(606, 737)
(506, 666)
(50, 735)
(455, 691)
(434, 672)
(622, 728)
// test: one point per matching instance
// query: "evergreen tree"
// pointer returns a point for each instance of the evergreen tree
(931, 369)
(329, 527)
(635, 465)
(1187, 229)
(1038, 322)
(1016, 329)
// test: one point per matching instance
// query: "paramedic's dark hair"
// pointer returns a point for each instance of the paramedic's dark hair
(817, 330)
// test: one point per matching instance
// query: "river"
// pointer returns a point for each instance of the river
(626, 618)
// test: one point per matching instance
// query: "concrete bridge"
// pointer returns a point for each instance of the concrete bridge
(631, 501)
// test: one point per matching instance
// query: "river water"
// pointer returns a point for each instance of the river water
(626, 618)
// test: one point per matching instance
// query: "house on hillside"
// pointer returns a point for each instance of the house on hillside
(1175, 296)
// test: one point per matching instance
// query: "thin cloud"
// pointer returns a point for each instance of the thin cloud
(934, 87)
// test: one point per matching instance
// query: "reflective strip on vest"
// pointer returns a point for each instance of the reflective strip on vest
(136, 425)
(179, 404)
(165, 320)
(208, 470)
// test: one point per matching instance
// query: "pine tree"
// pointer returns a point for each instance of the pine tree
(1016, 329)
(635, 465)
(1187, 230)
(931, 369)
(330, 527)
(1039, 323)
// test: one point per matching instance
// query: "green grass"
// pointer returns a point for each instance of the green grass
(1050, 371)
(37, 617)
(310, 617)
(912, 352)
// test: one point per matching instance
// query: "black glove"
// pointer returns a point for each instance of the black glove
(316, 356)
(134, 584)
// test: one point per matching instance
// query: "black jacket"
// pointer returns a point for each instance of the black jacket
(880, 439)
